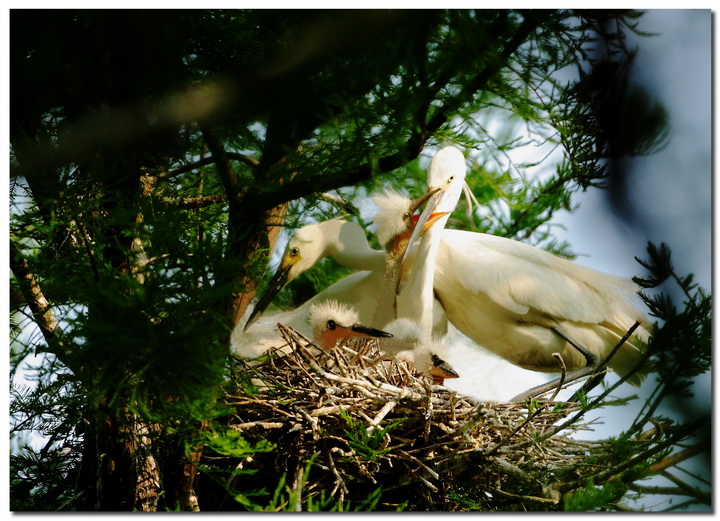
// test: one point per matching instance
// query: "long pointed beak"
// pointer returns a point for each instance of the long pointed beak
(360, 330)
(432, 219)
(421, 227)
(278, 282)
(417, 203)
(330, 337)
(441, 369)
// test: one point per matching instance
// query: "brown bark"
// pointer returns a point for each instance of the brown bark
(33, 295)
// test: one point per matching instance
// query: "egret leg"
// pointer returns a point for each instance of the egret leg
(591, 365)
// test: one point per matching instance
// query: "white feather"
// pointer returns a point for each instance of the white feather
(389, 216)
(310, 320)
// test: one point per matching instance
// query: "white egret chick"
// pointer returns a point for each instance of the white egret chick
(407, 342)
(332, 321)
(395, 224)
(325, 323)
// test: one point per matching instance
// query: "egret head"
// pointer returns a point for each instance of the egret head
(446, 174)
(395, 217)
(309, 245)
(332, 321)
(306, 247)
(428, 361)
(406, 333)
(446, 167)
(427, 355)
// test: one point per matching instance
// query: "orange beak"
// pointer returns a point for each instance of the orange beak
(423, 222)
(431, 220)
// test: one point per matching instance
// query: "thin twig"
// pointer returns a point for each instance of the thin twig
(563, 370)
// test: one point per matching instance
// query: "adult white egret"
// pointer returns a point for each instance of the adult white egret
(325, 323)
(344, 241)
(446, 180)
(521, 302)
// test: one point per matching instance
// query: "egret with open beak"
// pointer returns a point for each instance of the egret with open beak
(343, 240)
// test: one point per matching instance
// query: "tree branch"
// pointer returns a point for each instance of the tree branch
(225, 169)
(247, 160)
(190, 203)
(674, 459)
(39, 305)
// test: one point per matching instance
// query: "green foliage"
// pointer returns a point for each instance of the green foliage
(38, 478)
(232, 446)
(682, 342)
(365, 442)
(231, 443)
(142, 238)
(287, 499)
(593, 498)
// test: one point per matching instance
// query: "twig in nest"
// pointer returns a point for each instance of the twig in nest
(428, 412)
(412, 458)
(444, 431)
(563, 369)
(339, 481)
(389, 406)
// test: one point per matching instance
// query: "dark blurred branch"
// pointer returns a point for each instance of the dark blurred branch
(530, 23)
(249, 161)
(225, 169)
(190, 203)
(302, 186)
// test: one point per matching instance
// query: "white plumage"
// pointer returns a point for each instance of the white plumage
(507, 296)
(415, 299)
(324, 322)
(520, 302)
(408, 343)
(392, 215)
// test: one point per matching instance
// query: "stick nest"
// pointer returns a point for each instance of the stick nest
(365, 426)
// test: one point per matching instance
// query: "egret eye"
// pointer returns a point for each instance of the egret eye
(406, 216)
(294, 252)
(331, 325)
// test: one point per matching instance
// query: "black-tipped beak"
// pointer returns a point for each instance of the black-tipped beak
(278, 282)
(441, 369)
(369, 331)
